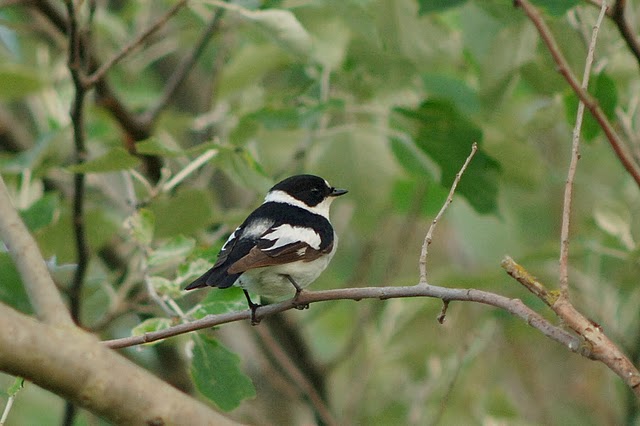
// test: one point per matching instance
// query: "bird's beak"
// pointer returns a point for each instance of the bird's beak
(337, 191)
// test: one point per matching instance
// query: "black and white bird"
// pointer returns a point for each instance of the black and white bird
(283, 245)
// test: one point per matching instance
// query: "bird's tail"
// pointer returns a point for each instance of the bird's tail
(199, 283)
(214, 277)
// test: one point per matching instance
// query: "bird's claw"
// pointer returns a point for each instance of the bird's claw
(297, 304)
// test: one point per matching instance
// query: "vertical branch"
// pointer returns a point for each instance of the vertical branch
(77, 119)
(617, 144)
(628, 34)
(75, 65)
(575, 156)
(429, 237)
(181, 72)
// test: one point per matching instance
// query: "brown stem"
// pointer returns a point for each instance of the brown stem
(592, 105)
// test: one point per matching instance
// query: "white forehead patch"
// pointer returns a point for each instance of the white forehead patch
(286, 234)
(282, 197)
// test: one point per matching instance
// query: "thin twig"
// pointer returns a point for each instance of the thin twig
(15, 388)
(183, 69)
(42, 291)
(529, 281)
(598, 3)
(136, 42)
(614, 139)
(188, 169)
(575, 156)
(428, 238)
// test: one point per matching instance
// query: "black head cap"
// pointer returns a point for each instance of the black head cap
(310, 189)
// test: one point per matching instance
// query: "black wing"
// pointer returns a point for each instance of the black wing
(250, 247)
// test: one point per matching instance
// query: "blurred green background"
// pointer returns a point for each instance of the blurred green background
(383, 98)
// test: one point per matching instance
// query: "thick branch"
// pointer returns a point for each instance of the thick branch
(598, 346)
(615, 141)
(72, 364)
(43, 294)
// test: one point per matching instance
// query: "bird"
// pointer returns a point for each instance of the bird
(283, 245)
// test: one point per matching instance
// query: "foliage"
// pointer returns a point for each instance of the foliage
(381, 97)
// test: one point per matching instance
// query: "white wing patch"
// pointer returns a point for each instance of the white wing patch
(231, 238)
(256, 228)
(286, 234)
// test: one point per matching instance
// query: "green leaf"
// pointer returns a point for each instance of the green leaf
(184, 212)
(221, 301)
(16, 387)
(283, 27)
(150, 325)
(216, 372)
(446, 136)
(615, 220)
(556, 7)
(12, 291)
(115, 159)
(405, 194)
(191, 270)
(31, 158)
(18, 81)
(453, 90)
(411, 157)
(42, 213)
(429, 6)
(293, 117)
(154, 147)
(165, 287)
(243, 168)
(603, 88)
(141, 225)
(174, 250)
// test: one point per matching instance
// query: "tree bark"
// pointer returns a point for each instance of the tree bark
(75, 365)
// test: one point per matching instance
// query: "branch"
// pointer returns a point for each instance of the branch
(428, 238)
(575, 156)
(77, 119)
(181, 72)
(42, 291)
(72, 364)
(514, 306)
(627, 33)
(136, 42)
(615, 141)
(597, 345)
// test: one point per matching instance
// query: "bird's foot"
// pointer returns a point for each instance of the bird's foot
(299, 305)
(254, 307)
(299, 290)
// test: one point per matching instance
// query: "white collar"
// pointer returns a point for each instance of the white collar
(282, 197)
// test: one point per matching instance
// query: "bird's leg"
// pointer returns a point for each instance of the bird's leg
(253, 307)
(299, 290)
